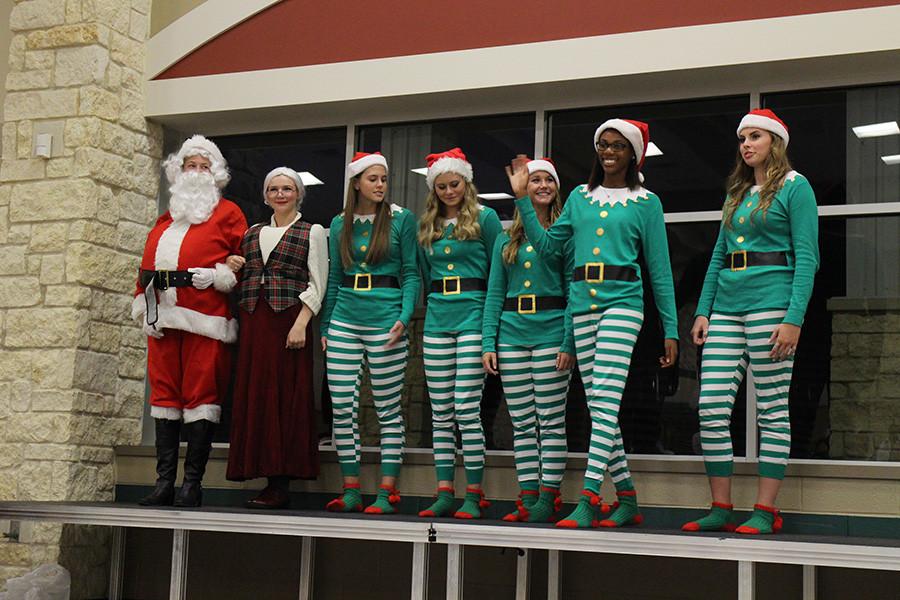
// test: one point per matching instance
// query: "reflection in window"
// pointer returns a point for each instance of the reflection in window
(696, 137)
(488, 142)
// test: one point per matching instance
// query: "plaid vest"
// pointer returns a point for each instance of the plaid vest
(283, 277)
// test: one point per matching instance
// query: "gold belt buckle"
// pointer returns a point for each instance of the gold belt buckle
(367, 277)
(526, 311)
(587, 272)
(162, 278)
(455, 289)
(743, 267)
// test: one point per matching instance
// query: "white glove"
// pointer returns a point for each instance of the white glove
(150, 330)
(203, 277)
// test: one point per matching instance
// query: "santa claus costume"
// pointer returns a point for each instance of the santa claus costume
(182, 303)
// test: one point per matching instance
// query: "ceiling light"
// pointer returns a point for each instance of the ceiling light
(893, 159)
(653, 150)
(495, 196)
(309, 179)
(420, 171)
(877, 129)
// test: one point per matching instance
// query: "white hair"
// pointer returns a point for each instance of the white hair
(197, 145)
(290, 174)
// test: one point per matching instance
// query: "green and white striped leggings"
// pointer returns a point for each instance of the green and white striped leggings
(734, 340)
(536, 397)
(349, 347)
(455, 378)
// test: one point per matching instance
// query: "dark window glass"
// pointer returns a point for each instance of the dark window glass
(320, 152)
(697, 139)
(488, 142)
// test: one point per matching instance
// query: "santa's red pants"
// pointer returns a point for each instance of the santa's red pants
(189, 375)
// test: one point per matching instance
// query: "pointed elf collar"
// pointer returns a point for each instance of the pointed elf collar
(612, 196)
(371, 218)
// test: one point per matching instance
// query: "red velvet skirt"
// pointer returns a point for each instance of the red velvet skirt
(273, 427)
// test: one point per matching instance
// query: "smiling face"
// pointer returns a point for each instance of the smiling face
(614, 152)
(755, 146)
(282, 195)
(197, 163)
(541, 188)
(371, 184)
(450, 188)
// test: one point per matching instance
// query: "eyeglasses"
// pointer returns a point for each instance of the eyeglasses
(602, 146)
(286, 190)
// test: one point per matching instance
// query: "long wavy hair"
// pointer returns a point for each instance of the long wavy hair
(516, 231)
(380, 240)
(467, 227)
(742, 179)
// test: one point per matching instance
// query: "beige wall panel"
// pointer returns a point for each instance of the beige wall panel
(851, 497)
(166, 12)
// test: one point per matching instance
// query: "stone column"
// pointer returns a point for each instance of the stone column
(72, 228)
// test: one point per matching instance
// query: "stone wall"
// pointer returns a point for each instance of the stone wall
(865, 382)
(72, 228)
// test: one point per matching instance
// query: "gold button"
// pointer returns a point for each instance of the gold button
(596, 251)
(599, 231)
(365, 234)
(363, 264)
(527, 283)
(740, 239)
(749, 204)
(527, 264)
(447, 250)
(741, 220)
(593, 292)
(593, 307)
(529, 249)
(450, 266)
(604, 214)
(363, 247)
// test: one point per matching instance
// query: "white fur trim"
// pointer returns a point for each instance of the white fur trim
(165, 412)
(629, 132)
(185, 319)
(138, 308)
(166, 259)
(612, 196)
(543, 165)
(208, 412)
(448, 165)
(225, 279)
(358, 166)
(765, 123)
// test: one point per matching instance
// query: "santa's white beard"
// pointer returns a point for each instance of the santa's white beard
(194, 197)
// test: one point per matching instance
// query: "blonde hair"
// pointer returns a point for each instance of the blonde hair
(467, 227)
(516, 231)
(742, 179)
(379, 242)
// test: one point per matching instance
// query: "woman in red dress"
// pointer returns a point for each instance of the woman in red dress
(285, 272)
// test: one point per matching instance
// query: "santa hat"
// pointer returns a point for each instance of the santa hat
(290, 174)
(543, 164)
(197, 145)
(763, 118)
(636, 132)
(363, 160)
(451, 161)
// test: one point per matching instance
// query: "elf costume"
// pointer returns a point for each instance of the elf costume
(526, 323)
(362, 304)
(760, 276)
(456, 273)
(608, 228)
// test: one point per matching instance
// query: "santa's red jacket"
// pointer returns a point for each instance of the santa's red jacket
(180, 246)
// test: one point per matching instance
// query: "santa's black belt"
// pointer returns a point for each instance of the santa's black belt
(740, 260)
(599, 272)
(528, 304)
(454, 285)
(363, 282)
(163, 280)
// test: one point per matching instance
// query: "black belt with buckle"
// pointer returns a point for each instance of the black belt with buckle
(453, 284)
(740, 260)
(363, 282)
(163, 280)
(528, 304)
(599, 272)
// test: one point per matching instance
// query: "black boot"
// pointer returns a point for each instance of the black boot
(167, 439)
(199, 439)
